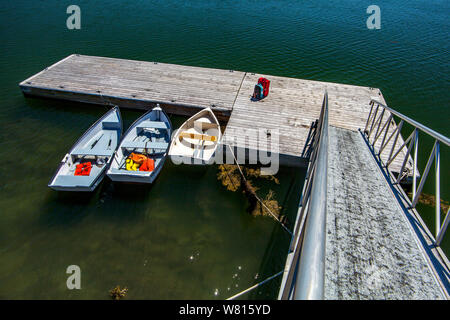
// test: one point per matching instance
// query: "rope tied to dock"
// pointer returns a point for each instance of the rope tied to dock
(107, 102)
(255, 286)
(257, 197)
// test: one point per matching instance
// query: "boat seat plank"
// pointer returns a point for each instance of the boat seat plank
(111, 125)
(152, 124)
(92, 152)
(205, 125)
(197, 136)
(144, 145)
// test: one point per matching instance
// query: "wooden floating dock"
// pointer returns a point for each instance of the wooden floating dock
(289, 109)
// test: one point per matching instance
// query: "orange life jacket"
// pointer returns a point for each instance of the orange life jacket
(137, 157)
(147, 165)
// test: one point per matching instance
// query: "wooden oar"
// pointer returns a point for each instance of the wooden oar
(198, 136)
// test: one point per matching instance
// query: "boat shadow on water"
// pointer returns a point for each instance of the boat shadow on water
(128, 191)
(118, 201)
(110, 201)
(66, 207)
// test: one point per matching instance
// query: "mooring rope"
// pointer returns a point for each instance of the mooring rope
(103, 97)
(254, 286)
(256, 196)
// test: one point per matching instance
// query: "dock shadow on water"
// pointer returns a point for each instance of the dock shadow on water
(274, 258)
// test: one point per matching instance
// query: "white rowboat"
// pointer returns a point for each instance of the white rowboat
(196, 141)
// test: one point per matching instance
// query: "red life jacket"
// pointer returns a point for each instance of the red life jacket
(83, 169)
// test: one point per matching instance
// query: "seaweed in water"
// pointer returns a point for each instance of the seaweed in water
(269, 203)
(231, 178)
(256, 173)
(430, 200)
(118, 293)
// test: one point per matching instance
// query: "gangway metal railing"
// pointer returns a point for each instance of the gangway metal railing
(378, 126)
(304, 274)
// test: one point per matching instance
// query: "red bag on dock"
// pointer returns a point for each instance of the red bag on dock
(266, 84)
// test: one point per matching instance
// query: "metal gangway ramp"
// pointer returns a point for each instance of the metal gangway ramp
(357, 234)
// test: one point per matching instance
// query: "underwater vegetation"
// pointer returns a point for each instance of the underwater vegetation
(118, 293)
(430, 200)
(233, 180)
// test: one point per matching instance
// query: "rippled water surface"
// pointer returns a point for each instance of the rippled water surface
(186, 236)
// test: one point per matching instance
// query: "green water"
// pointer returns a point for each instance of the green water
(144, 238)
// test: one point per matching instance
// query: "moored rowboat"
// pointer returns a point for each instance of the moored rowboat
(84, 166)
(143, 150)
(196, 141)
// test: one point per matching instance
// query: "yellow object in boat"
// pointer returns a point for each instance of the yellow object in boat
(197, 136)
(131, 165)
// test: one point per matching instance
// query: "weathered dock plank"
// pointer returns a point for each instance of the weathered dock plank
(293, 104)
(137, 84)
